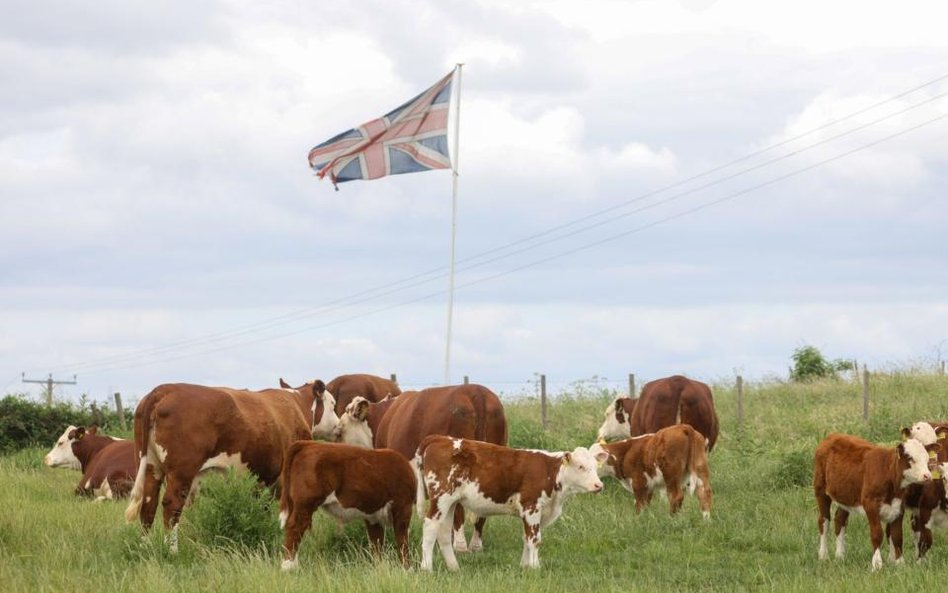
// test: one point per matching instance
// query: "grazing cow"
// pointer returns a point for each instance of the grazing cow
(867, 479)
(464, 411)
(107, 463)
(618, 420)
(376, 485)
(928, 503)
(672, 400)
(673, 457)
(489, 479)
(182, 430)
(346, 388)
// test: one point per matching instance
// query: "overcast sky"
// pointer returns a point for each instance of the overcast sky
(159, 223)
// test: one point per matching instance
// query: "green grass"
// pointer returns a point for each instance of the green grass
(762, 536)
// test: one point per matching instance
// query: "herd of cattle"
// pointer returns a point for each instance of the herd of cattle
(379, 453)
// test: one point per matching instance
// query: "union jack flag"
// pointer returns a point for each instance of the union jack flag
(413, 137)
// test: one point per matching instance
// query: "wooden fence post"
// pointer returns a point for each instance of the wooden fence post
(865, 393)
(740, 400)
(394, 378)
(119, 410)
(543, 400)
(466, 380)
(632, 385)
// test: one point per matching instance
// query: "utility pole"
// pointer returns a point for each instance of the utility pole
(49, 382)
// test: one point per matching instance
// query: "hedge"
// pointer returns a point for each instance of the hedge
(25, 423)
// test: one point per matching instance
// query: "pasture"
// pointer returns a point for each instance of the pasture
(762, 535)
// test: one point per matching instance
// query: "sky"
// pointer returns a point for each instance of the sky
(649, 187)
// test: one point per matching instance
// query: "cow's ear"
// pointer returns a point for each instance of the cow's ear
(941, 433)
(80, 432)
(319, 387)
(284, 384)
(362, 410)
(567, 457)
(601, 456)
(933, 449)
(906, 433)
(620, 410)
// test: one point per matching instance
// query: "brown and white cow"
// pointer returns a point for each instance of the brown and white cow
(863, 478)
(346, 388)
(673, 457)
(375, 485)
(489, 479)
(464, 411)
(617, 422)
(928, 503)
(182, 430)
(665, 402)
(107, 463)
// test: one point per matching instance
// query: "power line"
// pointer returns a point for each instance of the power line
(543, 260)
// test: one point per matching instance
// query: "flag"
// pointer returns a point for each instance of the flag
(412, 138)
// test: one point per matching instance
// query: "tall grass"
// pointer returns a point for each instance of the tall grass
(762, 536)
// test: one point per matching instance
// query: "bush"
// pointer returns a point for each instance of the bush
(234, 512)
(794, 469)
(809, 364)
(24, 423)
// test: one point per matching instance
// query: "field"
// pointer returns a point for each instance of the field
(762, 536)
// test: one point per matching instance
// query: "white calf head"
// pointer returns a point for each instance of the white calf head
(324, 412)
(604, 468)
(579, 471)
(61, 455)
(616, 424)
(922, 432)
(917, 457)
(353, 427)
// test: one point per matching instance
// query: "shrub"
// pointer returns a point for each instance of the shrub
(809, 364)
(25, 423)
(794, 469)
(234, 512)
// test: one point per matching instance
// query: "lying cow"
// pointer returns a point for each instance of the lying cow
(867, 479)
(107, 463)
(464, 411)
(376, 485)
(673, 457)
(489, 479)
(928, 503)
(183, 430)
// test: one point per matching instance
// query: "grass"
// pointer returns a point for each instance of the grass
(762, 536)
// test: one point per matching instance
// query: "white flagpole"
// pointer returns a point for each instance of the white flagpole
(455, 158)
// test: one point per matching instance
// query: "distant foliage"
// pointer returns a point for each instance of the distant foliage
(809, 364)
(233, 512)
(25, 423)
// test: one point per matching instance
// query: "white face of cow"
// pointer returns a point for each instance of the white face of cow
(353, 427)
(923, 433)
(61, 454)
(612, 428)
(324, 416)
(917, 472)
(579, 471)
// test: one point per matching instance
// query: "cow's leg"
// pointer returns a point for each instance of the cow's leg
(177, 489)
(842, 517)
(460, 541)
(920, 532)
(438, 527)
(297, 523)
(401, 520)
(150, 492)
(639, 488)
(894, 533)
(477, 541)
(444, 540)
(704, 493)
(376, 533)
(675, 496)
(531, 539)
(876, 534)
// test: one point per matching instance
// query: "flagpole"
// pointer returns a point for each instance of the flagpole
(454, 223)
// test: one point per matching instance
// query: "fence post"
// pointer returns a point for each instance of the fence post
(740, 400)
(632, 385)
(543, 400)
(394, 378)
(119, 410)
(466, 380)
(865, 393)
(943, 367)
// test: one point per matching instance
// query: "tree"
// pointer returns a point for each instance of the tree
(809, 364)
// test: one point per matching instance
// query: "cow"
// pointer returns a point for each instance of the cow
(867, 479)
(107, 463)
(616, 423)
(664, 402)
(345, 388)
(928, 503)
(673, 457)
(376, 485)
(490, 479)
(468, 411)
(182, 430)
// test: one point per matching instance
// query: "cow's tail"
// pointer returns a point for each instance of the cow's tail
(696, 444)
(286, 500)
(143, 426)
(420, 490)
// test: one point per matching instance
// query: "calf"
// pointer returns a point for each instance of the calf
(376, 485)
(673, 457)
(617, 420)
(867, 479)
(108, 464)
(928, 503)
(490, 479)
